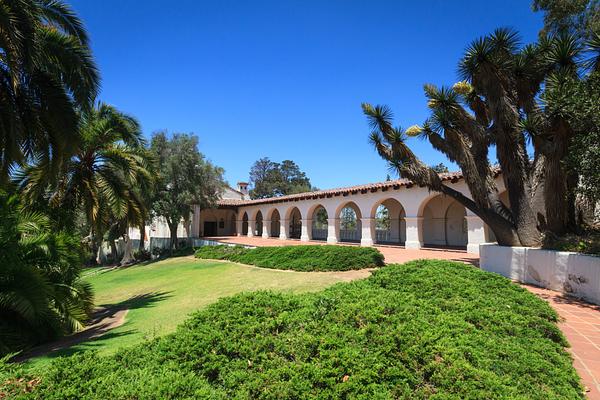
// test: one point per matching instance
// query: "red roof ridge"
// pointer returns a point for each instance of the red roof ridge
(373, 187)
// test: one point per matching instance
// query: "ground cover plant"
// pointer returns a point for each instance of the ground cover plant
(425, 329)
(298, 258)
(161, 295)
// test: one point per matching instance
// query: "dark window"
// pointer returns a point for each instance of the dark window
(221, 223)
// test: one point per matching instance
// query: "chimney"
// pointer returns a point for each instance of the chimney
(243, 188)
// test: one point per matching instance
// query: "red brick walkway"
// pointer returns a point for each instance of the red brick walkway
(580, 321)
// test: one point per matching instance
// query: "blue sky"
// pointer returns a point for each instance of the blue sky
(285, 79)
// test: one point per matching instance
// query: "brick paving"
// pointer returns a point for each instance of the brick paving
(579, 321)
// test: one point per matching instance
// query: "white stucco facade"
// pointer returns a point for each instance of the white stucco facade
(418, 218)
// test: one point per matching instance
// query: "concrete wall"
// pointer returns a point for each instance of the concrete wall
(572, 273)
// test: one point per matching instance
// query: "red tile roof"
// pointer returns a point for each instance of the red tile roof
(319, 194)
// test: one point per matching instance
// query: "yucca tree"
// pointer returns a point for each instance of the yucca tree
(46, 74)
(498, 103)
(103, 177)
(41, 295)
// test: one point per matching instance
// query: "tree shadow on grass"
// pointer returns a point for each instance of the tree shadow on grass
(99, 329)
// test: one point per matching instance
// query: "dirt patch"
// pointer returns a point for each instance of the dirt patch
(103, 320)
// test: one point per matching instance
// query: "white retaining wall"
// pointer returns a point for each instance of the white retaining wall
(571, 273)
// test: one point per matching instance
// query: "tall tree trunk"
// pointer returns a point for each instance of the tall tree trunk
(173, 231)
(128, 251)
(142, 229)
(113, 251)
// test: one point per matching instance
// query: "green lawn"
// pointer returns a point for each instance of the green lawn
(426, 329)
(160, 295)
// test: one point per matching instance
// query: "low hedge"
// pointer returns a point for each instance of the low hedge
(426, 329)
(298, 258)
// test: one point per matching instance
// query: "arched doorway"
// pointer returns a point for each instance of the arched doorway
(319, 223)
(349, 223)
(455, 225)
(245, 224)
(259, 224)
(390, 225)
(275, 223)
(444, 222)
(295, 222)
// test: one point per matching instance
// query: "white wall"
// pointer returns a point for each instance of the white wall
(572, 273)
(462, 228)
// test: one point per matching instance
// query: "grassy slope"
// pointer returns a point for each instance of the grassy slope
(160, 295)
(426, 329)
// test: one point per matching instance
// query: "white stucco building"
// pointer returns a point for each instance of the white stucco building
(416, 217)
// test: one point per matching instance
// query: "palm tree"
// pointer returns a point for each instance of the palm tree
(46, 74)
(41, 295)
(104, 176)
(498, 104)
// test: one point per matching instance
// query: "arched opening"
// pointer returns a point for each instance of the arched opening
(259, 224)
(319, 224)
(295, 224)
(275, 223)
(390, 225)
(349, 223)
(444, 222)
(216, 222)
(245, 224)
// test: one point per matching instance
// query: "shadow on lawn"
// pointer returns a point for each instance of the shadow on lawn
(100, 328)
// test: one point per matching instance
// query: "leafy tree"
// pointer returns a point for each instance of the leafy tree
(320, 219)
(440, 168)
(498, 104)
(271, 179)
(46, 74)
(185, 179)
(348, 219)
(41, 295)
(265, 178)
(382, 218)
(578, 17)
(102, 179)
(579, 99)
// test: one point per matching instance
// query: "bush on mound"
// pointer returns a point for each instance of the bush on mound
(298, 258)
(426, 329)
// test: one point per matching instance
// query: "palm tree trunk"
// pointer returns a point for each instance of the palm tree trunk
(173, 231)
(113, 251)
(142, 229)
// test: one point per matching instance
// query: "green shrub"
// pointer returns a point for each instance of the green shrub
(298, 258)
(426, 329)
(586, 243)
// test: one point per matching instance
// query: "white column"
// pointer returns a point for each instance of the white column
(239, 227)
(414, 232)
(251, 227)
(366, 238)
(305, 235)
(266, 233)
(475, 233)
(284, 228)
(331, 231)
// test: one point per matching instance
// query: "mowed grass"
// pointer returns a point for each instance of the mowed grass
(161, 295)
(426, 329)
